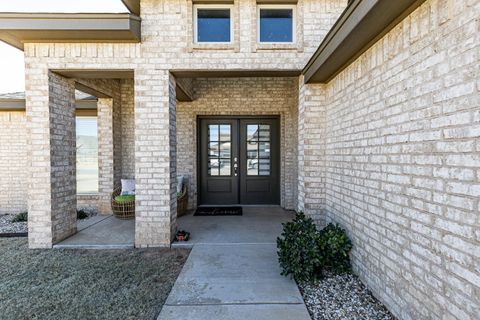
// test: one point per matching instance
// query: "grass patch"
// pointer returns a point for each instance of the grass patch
(85, 284)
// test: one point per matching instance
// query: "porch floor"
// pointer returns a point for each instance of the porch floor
(257, 225)
(101, 232)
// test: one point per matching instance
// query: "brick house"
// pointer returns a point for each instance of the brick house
(364, 113)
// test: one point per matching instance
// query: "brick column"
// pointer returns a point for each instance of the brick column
(105, 154)
(52, 192)
(311, 151)
(155, 158)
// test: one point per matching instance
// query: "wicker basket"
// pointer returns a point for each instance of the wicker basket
(182, 201)
(123, 210)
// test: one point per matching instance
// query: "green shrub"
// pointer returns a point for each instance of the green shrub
(298, 252)
(303, 252)
(82, 214)
(20, 217)
(335, 247)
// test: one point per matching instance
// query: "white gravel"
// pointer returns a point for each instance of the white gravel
(7, 226)
(342, 297)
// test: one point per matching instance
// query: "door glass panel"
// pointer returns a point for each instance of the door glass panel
(213, 149)
(213, 132)
(219, 149)
(225, 132)
(252, 146)
(264, 167)
(264, 148)
(225, 149)
(258, 149)
(252, 130)
(225, 167)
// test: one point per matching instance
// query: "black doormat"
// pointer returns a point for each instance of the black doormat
(218, 211)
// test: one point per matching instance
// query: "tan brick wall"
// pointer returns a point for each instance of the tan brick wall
(402, 162)
(239, 96)
(128, 129)
(311, 151)
(13, 161)
(166, 42)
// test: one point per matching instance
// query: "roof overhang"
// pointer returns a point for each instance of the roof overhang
(362, 24)
(133, 6)
(19, 104)
(19, 28)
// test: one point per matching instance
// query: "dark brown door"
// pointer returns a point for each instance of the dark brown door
(259, 161)
(239, 161)
(218, 152)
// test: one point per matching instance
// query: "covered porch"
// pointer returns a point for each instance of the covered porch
(148, 130)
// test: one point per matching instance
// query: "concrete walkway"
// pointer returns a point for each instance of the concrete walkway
(234, 277)
(101, 232)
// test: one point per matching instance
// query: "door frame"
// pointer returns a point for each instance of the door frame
(215, 117)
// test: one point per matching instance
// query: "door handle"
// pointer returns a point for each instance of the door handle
(235, 167)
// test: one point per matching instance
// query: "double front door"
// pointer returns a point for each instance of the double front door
(239, 161)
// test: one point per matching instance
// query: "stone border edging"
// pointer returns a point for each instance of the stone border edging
(13, 234)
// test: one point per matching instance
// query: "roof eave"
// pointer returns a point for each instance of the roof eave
(360, 26)
(133, 6)
(19, 28)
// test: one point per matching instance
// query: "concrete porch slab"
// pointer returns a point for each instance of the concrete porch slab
(258, 224)
(103, 232)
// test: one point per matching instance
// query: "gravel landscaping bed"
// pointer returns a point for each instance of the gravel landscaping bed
(342, 297)
(85, 284)
(7, 226)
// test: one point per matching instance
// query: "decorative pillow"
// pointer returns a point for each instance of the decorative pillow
(128, 187)
(179, 183)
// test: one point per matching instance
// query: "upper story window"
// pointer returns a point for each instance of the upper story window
(213, 24)
(276, 23)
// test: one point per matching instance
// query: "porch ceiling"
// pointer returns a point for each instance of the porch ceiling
(19, 28)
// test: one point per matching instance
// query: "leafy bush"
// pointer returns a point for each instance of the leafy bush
(303, 251)
(20, 217)
(298, 252)
(335, 247)
(82, 214)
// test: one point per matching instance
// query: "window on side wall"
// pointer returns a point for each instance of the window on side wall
(213, 24)
(87, 155)
(276, 23)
